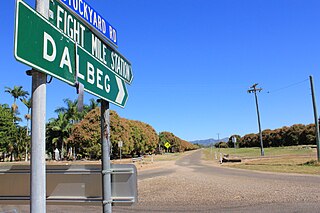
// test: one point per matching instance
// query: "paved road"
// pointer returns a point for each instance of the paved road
(190, 186)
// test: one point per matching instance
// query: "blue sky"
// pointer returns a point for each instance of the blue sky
(193, 62)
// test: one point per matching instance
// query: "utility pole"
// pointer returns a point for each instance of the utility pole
(315, 113)
(254, 90)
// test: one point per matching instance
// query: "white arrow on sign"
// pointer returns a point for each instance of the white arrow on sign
(121, 94)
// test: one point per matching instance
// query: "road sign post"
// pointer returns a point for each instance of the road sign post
(105, 148)
(38, 127)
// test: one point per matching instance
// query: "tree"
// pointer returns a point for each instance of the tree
(21, 142)
(7, 130)
(28, 104)
(177, 144)
(59, 130)
(16, 92)
(92, 105)
(86, 136)
(293, 134)
(71, 112)
(230, 142)
(307, 137)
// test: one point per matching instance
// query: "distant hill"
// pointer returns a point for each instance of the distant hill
(209, 141)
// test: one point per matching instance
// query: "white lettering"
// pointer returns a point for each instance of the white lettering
(118, 64)
(90, 73)
(80, 3)
(65, 59)
(104, 53)
(47, 38)
(75, 5)
(112, 59)
(70, 31)
(94, 48)
(90, 12)
(59, 19)
(78, 73)
(104, 28)
(99, 74)
(85, 13)
(106, 85)
(94, 19)
(99, 23)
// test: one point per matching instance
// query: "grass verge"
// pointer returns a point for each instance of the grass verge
(293, 159)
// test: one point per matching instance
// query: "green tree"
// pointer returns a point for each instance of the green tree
(21, 142)
(28, 104)
(59, 130)
(86, 136)
(7, 131)
(70, 112)
(230, 142)
(92, 105)
(177, 144)
(16, 92)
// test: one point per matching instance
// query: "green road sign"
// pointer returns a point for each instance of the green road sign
(41, 45)
(77, 30)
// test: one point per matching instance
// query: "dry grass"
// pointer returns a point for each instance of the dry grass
(297, 159)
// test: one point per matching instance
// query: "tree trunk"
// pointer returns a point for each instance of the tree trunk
(26, 158)
(62, 152)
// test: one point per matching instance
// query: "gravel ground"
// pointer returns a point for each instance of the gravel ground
(195, 187)
(190, 185)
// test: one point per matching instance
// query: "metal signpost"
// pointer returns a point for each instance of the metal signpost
(38, 134)
(71, 50)
(105, 141)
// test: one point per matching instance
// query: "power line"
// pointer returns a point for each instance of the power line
(288, 86)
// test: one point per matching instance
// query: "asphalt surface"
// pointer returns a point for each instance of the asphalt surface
(189, 185)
